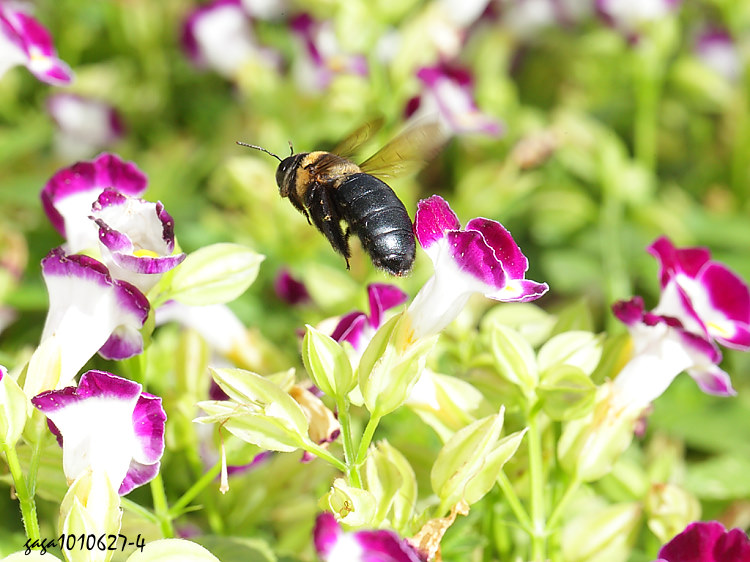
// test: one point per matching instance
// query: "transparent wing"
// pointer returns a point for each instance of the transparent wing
(358, 137)
(407, 152)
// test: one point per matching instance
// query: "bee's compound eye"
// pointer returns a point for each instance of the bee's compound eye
(283, 170)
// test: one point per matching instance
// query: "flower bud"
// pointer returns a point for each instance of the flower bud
(466, 468)
(353, 506)
(327, 364)
(14, 407)
(670, 509)
(601, 534)
(514, 358)
(393, 484)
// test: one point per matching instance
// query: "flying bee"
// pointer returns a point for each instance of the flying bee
(329, 188)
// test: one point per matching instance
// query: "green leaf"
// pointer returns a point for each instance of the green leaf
(214, 274)
(576, 348)
(14, 407)
(514, 358)
(566, 392)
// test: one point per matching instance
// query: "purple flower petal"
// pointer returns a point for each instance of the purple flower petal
(673, 261)
(707, 542)
(433, 218)
(472, 255)
(127, 439)
(331, 544)
(383, 296)
(729, 296)
(289, 289)
(85, 125)
(717, 50)
(351, 328)
(505, 248)
(326, 533)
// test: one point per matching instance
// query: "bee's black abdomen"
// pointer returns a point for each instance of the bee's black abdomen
(380, 220)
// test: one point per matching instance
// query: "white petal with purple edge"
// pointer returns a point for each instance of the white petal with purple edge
(86, 306)
(136, 238)
(127, 439)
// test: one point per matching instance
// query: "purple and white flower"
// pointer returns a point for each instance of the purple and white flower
(136, 238)
(448, 92)
(219, 35)
(265, 9)
(68, 196)
(24, 41)
(85, 125)
(717, 50)
(106, 424)
(323, 57)
(705, 295)
(334, 545)
(707, 541)
(357, 328)
(662, 349)
(90, 312)
(481, 258)
(702, 303)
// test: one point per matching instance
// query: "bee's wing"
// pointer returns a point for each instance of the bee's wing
(407, 152)
(358, 137)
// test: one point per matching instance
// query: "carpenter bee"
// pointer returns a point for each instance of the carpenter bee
(329, 188)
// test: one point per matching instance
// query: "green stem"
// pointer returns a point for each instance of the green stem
(515, 504)
(139, 510)
(570, 491)
(38, 435)
(353, 473)
(320, 452)
(739, 174)
(536, 476)
(647, 82)
(364, 444)
(194, 490)
(161, 507)
(25, 498)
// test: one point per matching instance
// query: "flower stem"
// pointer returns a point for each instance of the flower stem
(320, 452)
(515, 504)
(194, 490)
(25, 498)
(647, 81)
(570, 491)
(161, 507)
(342, 405)
(536, 476)
(364, 444)
(139, 510)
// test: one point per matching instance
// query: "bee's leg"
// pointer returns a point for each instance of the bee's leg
(297, 204)
(326, 218)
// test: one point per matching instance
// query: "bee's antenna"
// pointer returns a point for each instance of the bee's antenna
(259, 148)
(291, 149)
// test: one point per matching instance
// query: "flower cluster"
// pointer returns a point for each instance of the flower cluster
(100, 304)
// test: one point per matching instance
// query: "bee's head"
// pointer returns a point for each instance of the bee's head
(285, 173)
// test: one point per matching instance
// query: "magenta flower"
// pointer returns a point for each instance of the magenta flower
(90, 312)
(357, 327)
(334, 545)
(106, 424)
(448, 91)
(706, 296)
(24, 41)
(137, 238)
(68, 196)
(290, 290)
(85, 125)
(481, 258)
(702, 303)
(707, 541)
(323, 57)
(219, 35)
